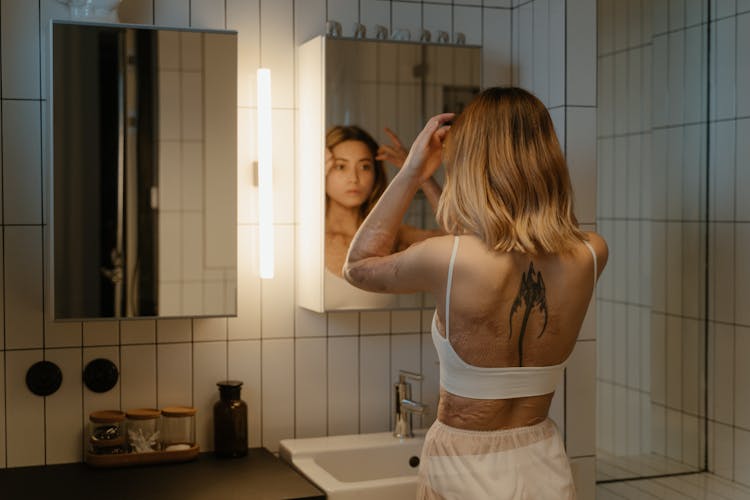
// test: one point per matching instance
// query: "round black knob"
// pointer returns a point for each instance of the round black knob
(100, 375)
(44, 378)
(414, 462)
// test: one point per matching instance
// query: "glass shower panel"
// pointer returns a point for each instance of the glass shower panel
(652, 210)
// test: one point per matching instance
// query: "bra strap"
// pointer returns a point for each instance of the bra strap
(448, 287)
(593, 254)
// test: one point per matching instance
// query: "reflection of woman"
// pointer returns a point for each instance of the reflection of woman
(512, 284)
(355, 179)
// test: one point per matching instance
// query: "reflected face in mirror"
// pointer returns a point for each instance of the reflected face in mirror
(355, 179)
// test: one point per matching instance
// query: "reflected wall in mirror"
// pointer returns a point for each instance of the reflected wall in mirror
(373, 85)
(144, 172)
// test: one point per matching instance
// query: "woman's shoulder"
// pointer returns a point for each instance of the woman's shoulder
(600, 248)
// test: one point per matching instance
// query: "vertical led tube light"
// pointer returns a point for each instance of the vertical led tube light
(265, 174)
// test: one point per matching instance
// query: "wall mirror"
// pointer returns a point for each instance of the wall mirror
(372, 84)
(144, 193)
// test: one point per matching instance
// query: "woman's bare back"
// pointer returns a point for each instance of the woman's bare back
(513, 309)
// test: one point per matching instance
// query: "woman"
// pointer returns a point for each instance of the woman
(355, 180)
(512, 282)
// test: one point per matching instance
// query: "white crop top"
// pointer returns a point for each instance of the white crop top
(462, 379)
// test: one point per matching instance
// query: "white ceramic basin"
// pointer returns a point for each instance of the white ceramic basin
(358, 466)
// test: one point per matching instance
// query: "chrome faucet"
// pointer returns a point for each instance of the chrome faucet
(404, 407)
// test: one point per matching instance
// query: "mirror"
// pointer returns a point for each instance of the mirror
(144, 217)
(372, 84)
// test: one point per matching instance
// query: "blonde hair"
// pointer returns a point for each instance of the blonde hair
(506, 178)
(341, 133)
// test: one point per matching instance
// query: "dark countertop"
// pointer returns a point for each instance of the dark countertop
(259, 476)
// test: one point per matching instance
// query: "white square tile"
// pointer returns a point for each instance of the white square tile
(244, 365)
(468, 20)
(100, 333)
(621, 25)
(692, 430)
(497, 3)
(406, 16)
(620, 176)
(277, 294)
(581, 156)
(406, 321)
(283, 166)
(742, 171)
(175, 374)
(674, 173)
(658, 429)
(723, 8)
(721, 450)
(580, 395)
(722, 272)
(137, 12)
(605, 417)
(742, 290)
(605, 342)
(63, 409)
(676, 14)
(23, 274)
(24, 412)
(372, 13)
(658, 358)
(22, 161)
(172, 12)
(632, 354)
(674, 434)
(541, 50)
(138, 376)
(138, 332)
(674, 267)
(59, 334)
(343, 323)
(247, 323)
(605, 178)
(243, 16)
(693, 173)
(693, 286)
(209, 329)
(692, 361)
(634, 176)
(209, 367)
(20, 49)
(375, 322)
(605, 26)
(722, 170)
(310, 388)
(523, 63)
(633, 430)
(277, 49)
(345, 12)
(620, 420)
(277, 391)
(723, 69)
(635, 14)
(557, 52)
(375, 384)
(660, 95)
(557, 409)
(343, 385)
(674, 361)
(695, 75)
(174, 330)
(742, 456)
(192, 178)
(207, 14)
(581, 52)
(496, 48)
(743, 64)
(723, 374)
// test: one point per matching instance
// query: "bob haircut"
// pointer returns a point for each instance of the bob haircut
(342, 133)
(506, 178)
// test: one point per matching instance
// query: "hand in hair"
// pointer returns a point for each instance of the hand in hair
(395, 152)
(426, 153)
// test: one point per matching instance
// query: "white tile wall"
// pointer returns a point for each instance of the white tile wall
(178, 361)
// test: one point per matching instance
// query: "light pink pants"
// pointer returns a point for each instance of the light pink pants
(513, 464)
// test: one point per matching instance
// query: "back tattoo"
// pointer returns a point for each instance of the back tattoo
(532, 294)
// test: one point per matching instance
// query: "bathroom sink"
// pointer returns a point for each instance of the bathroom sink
(358, 466)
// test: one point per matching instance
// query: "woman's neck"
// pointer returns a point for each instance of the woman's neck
(341, 219)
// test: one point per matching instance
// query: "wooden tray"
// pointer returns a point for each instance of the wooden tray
(130, 459)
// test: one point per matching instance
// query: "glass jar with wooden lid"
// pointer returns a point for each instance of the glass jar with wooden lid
(178, 428)
(144, 430)
(106, 432)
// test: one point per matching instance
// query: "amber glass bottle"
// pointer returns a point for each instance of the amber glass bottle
(230, 421)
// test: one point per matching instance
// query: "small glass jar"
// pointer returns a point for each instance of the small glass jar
(106, 432)
(177, 428)
(143, 430)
